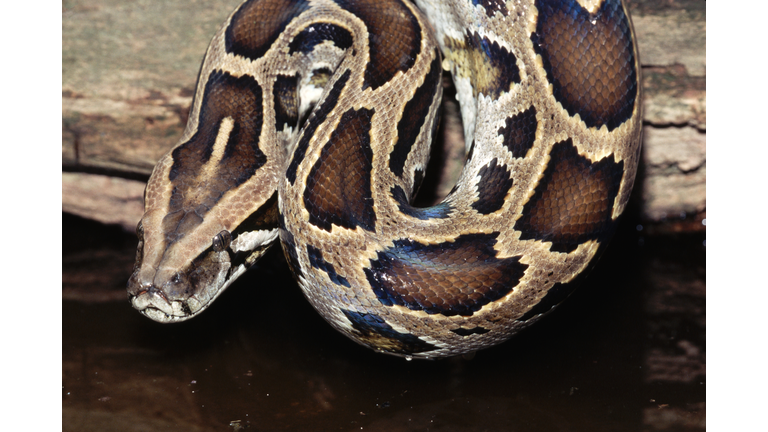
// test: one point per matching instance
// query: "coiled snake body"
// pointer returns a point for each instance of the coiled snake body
(311, 122)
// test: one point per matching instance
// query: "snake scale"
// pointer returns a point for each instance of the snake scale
(312, 121)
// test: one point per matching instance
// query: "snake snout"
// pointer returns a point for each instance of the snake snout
(166, 302)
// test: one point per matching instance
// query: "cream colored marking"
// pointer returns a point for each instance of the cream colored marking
(308, 97)
(225, 128)
(250, 240)
(591, 6)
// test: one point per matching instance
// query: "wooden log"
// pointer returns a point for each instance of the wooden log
(129, 70)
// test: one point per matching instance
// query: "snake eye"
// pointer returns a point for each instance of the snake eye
(221, 241)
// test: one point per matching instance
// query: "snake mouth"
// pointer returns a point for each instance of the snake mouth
(169, 306)
(153, 304)
(173, 295)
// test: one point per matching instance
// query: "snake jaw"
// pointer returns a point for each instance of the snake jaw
(156, 306)
(166, 295)
(179, 273)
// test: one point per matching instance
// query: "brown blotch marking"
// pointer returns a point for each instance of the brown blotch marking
(490, 67)
(374, 332)
(394, 37)
(339, 185)
(258, 23)
(573, 201)
(317, 118)
(450, 278)
(197, 187)
(520, 132)
(414, 115)
(492, 188)
(589, 59)
(286, 98)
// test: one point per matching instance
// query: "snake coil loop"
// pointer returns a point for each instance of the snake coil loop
(312, 121)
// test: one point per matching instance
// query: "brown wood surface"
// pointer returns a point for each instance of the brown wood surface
(129, 70)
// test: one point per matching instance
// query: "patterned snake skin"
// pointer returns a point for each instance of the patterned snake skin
(312, 121)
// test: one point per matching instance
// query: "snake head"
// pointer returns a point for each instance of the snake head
(187, 258)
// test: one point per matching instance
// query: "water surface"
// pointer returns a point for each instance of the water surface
(626, 352)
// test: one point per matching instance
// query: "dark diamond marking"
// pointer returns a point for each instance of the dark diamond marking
(492, 188)
(450, 278)
(339, 184)
(470, 153)
(289, 249)
(554, 297)
(258, 23)
(520, 132)
(418, 177)
(589, 59)
(467, 332)
(394, 38)
(573, 201)
(286, 99)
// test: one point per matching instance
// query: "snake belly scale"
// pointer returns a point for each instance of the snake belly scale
(311, 123)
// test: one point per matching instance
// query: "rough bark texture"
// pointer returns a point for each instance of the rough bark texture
(129, 70)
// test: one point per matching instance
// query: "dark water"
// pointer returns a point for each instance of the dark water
(626, 352)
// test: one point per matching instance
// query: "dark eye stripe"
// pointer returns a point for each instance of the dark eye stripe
(264, 218)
